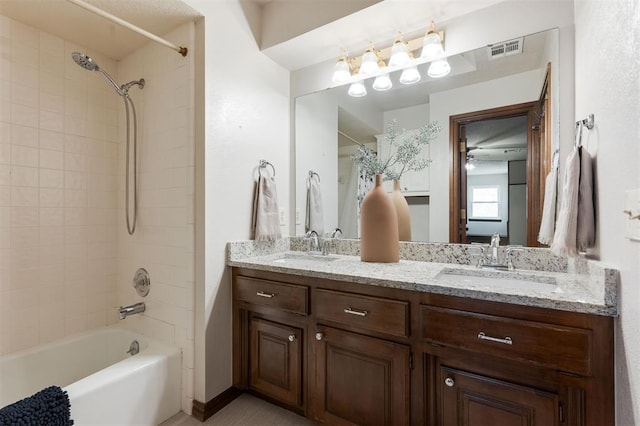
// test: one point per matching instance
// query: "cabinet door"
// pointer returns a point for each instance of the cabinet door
(275, 353)
(474, 400)
(360, 379)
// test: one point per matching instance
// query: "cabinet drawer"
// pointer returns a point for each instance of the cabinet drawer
(365, 312)
(288, 297)
(560, 347)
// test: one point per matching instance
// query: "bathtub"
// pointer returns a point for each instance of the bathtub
(106, 385)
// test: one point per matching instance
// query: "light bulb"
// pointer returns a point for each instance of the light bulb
(341, 71)
(410, 75)
(357, 89)
(382, 83)
(431, 47)
(399, 54)
(369, 63)
(439, 68)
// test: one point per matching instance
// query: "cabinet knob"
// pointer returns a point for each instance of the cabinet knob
(449, 382)
(292, 337)
(319, 335)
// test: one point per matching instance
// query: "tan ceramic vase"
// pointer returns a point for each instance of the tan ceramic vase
(378, 227)
(402, 211)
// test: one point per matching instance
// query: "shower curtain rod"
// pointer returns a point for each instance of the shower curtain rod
(91, 8)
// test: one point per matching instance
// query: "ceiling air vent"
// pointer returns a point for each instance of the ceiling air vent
(506, 48)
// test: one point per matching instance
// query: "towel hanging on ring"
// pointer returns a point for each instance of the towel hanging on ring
(314, 216)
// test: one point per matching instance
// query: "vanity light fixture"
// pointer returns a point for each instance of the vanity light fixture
(341, 71)
(399, 53)
(400, 56)
(410, 75)
(382, 81)
(369, 62)
(432, 44)
(439, 68)
(357, 89)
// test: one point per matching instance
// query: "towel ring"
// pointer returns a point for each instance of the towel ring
(263, 164)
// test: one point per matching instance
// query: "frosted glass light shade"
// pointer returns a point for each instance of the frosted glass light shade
(357, 89)
(369, 63)
(431, 47)
(341, 72)
(439, 68)
(382, 83)
(399, 54)
(410, 75)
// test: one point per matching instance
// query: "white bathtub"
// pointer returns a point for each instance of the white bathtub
(106, 385)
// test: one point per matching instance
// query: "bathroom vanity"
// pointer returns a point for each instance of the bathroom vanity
(345, 342)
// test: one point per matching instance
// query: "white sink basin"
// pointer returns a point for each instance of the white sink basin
(304, 258)
(499, 279)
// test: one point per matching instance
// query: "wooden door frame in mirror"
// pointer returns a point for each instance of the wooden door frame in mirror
(533, 164)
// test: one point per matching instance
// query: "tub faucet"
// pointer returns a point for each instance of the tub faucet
(137, 308)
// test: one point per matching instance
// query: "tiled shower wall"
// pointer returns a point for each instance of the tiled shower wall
(58, 175)
(66, 260)
(163, 241)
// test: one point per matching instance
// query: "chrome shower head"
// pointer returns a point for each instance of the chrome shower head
(89, 64)
(85, 61)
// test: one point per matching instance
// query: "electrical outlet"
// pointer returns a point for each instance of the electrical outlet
(297, 216)
(283, 217)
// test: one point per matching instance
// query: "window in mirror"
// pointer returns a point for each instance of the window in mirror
(485, 202)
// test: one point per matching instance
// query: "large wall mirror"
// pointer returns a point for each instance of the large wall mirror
(330, 126)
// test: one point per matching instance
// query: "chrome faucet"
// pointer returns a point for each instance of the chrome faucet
(329, 243)
(136, 308)
(314, 241)
(495, 243)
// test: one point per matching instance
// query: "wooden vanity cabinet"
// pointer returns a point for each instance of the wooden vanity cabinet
(270, 338)
(496, 363)
(362, 376)
(364, 354)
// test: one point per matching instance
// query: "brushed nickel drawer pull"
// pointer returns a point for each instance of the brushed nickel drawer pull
(355, 312)
(507, 340)
(267, 295)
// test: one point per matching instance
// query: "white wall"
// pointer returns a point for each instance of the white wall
(246, 108)
(163, 242)
(58, 133)
(610, 89)
(408, 118)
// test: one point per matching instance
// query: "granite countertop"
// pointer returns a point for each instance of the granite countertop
(586, 288)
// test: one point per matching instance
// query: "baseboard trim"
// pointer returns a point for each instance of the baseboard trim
(203, 410)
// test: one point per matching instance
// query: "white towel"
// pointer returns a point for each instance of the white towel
(313, 218)
(586, 228)
(564, 240)
(266, 216)
(548, 221)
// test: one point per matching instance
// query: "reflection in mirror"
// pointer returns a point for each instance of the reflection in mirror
(330, 125)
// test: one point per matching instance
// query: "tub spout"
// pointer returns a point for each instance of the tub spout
(137, 308)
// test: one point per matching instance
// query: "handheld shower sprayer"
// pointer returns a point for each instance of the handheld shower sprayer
(89, 64)
(123, 90)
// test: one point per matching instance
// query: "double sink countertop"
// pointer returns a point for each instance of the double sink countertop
(540, 278)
